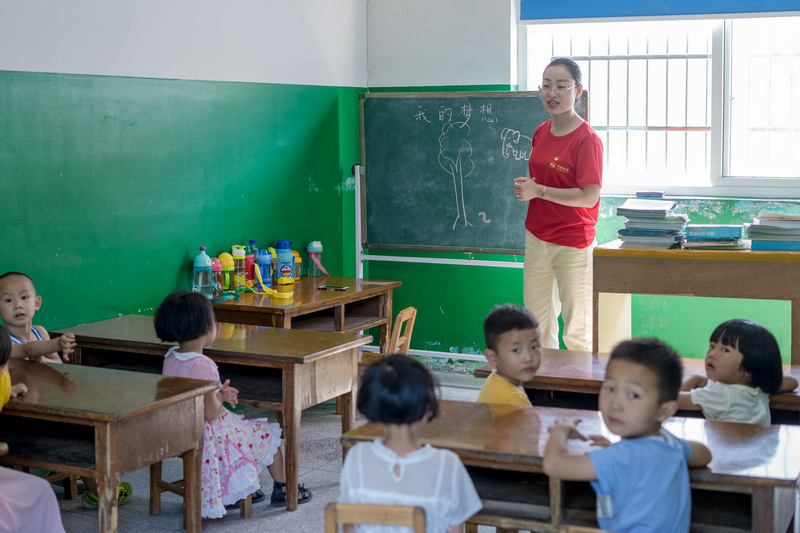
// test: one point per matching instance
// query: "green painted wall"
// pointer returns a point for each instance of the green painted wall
(109, 185)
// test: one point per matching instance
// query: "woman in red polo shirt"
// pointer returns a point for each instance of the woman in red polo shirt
(563, 195)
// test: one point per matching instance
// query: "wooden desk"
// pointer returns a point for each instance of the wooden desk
(707, 273)
(367, 304)
(104, 423)
(282, 369)
(760, 461)
(583, 372)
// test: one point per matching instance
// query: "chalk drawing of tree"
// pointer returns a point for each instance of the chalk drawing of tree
(455, 157)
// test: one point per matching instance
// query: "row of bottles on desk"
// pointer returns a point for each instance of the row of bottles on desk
(249, 266)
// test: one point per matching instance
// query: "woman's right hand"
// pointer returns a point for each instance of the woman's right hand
(524, 189)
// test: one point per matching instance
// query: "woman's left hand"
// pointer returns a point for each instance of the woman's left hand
(526, 189)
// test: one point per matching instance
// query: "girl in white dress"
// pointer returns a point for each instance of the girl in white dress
(399, 393)
(235, 449)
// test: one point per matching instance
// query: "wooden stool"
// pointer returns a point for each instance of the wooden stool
(386, 515)
(158, 485)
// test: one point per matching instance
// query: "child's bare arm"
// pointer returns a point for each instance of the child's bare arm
(685, 402)
(18, 390)
(212, 403)
(36, 349)
(561, 464)
(694, 381)
(700, 455)
(788, 384)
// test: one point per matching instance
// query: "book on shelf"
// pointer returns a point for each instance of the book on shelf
(648, 231)
(646, 208)
(673, 221)
(649, 194)
(766, 214)
(736, 244)
(709, 232)
(778, 246)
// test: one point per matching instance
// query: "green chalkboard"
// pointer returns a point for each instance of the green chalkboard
(438, 169)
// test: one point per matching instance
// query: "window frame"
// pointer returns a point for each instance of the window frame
(721, 183)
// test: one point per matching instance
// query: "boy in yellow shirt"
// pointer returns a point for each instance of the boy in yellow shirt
(513, 347)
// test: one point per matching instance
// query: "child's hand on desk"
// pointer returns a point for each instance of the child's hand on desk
(67, 341)
(18, 390)
(569, 428)
(694, 381)
(230, 394)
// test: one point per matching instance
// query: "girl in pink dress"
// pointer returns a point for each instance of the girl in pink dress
(27, 503)
(234, 449)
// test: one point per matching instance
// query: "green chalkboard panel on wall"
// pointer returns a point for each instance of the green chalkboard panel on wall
(438, 169)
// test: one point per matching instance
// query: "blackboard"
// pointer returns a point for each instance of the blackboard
(438, 169)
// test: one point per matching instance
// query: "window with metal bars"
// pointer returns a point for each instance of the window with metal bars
(688, 106)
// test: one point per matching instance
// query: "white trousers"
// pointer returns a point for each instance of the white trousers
(558, 280)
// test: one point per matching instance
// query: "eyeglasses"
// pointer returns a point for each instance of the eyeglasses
(545, 88)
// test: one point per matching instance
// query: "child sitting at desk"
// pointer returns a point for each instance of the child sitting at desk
(399, 393)
(642, 482)
(227, 476)
(743, 367)
(27, 503)
(514, 348)
(18, 303)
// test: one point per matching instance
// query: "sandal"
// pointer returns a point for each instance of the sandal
(124, 492)
(279, 494)
(258, 496)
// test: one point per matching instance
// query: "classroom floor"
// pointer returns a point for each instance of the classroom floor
(320, 460)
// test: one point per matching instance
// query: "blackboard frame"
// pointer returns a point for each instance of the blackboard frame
(365, 233)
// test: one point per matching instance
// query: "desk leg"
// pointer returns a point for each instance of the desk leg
(772, 509)
(106, 441)
(349, 398)
(291, 420)
(385, 330)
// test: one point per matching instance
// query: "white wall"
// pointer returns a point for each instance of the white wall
(441, 42)
(310, 42)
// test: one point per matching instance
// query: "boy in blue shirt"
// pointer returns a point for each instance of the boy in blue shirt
(642, 482)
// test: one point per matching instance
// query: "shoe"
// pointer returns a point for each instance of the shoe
(279, 495)
(124, 492)
(258, 496)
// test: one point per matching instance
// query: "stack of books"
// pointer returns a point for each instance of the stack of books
(651, 224)
(775, 231)
(714, 237)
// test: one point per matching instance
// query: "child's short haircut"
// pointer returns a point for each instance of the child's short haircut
(658, 357)
(12, 274)
(761, 356)
(183, 316)
(397, 389)
(5, 346)
(504, 318)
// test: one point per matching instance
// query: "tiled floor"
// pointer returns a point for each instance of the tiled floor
(320, 460)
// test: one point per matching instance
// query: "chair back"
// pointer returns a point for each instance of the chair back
(400, 340)
(384, 515)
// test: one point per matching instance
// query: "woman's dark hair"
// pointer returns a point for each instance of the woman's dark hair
(5, 346)
(575, 71)
(397, 389)
(183, 316)
(662, 360)
(761, 356)
(573, 67)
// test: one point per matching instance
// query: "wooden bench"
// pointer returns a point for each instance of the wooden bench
(570, 378)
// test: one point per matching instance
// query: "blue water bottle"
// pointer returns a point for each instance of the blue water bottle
(285, 261)
(264, 262)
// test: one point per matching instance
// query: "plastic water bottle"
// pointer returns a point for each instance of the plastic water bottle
(264, 262)
(285, 268)
(315, 267)
(249, 262)
(201, 280)
(225, 281)
(237, 251)
(298, 265)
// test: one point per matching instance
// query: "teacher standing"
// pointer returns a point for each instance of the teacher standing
(563, 195)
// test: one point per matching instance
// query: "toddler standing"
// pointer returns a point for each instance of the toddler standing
(18, 303)
(234, 449)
